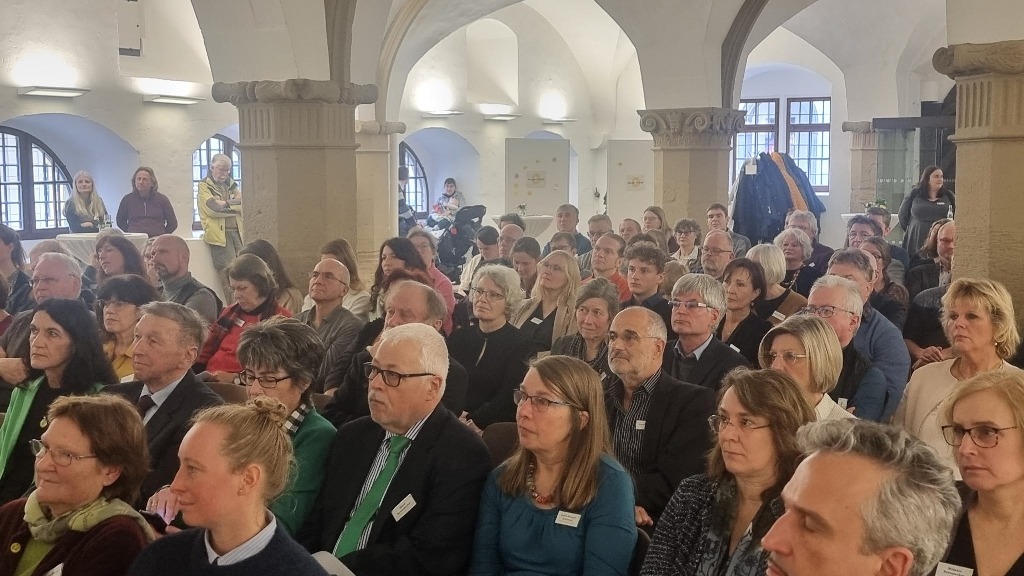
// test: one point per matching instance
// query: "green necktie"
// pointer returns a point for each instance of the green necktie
(363, 515)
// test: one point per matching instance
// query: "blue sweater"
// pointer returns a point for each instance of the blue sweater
(514, 537)
(882, 343)
(184, 554)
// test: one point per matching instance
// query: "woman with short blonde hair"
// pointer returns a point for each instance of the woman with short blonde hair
(778, 302)
(796, 249)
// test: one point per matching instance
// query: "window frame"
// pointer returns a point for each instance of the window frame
(417, 175)
(232, 151)
(809, 128)
(27, 182)
(772, 129)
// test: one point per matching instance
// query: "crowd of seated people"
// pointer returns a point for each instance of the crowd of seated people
(555, 426)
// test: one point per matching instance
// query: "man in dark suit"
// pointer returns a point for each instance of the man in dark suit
(936, 272)
(166, 391)
(402, 487)
(406, 302)
(698, 305)
(658, 424)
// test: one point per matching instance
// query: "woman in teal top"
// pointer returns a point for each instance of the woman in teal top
(561, 504)
(65, 357)
(281, 357)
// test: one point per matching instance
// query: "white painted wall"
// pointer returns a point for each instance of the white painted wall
(445, 154)
(997, 20)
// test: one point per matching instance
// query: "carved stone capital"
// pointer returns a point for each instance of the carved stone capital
(293, 90)
(1005, 57)
(692, 127)
(374, 127)
(858, 127)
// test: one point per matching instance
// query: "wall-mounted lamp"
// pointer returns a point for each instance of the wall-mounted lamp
(52, 91)
(501, 117)
(442, 114)
(557, 120)
(499, 112)
(164, 99)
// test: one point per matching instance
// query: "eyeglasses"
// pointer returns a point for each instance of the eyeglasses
(539, 404)
(45, 281)
(789, 357)
(115, 304)
(824, 311)
(717, 422)
(684, 232)
(325, 276)
(715, 251)
(390, 377)
(688, 304)
(628, 337)
(982, 436)
(268, 382)
(552, 267)
(60, 457)
(488, 295)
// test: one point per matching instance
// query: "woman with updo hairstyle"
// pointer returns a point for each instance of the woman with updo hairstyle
(89, 463)
(778, 302)
(561, 504)
(741, 328)
(235, 460)
(714, 522)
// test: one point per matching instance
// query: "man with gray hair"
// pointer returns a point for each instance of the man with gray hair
(597, 225)
(166, 392)
(861, 385)
(807, 222)
(567, 217)
(657, 422)
(402, 487)
(406, 302)
(893, 516)
(716, 252)
(507, 238)
(696, 356)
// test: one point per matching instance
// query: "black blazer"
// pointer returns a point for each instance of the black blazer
(349, 400)
(747, 336)
(168, 426)
(716, 361)
(676, 440)
(444, 471)
(922, 277)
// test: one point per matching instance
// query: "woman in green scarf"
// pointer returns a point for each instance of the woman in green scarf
(89, 462)
(64, 357)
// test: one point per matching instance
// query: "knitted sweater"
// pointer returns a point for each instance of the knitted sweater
(184, 554)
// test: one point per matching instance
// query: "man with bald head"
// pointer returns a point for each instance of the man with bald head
(337, 327)
(507, 238)
(170, 260)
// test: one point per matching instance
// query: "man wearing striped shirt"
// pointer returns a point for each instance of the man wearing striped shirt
(658, 423)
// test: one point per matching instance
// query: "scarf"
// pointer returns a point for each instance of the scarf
(227, 321)
(81, 519)
(577, 348)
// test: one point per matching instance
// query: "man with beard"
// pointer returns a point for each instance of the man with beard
(170, 260)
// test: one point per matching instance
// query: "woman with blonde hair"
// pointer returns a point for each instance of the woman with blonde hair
(796, 249)
(979, 319)
(807, 349)
(235, 460)
(778, 302)
(561, 504)
(549, 314)
(984, 424)
(85, 210)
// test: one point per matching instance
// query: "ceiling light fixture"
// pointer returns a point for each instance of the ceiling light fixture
(165, 99)
(441, 113)
(501, 117)
(52, 91)
(557, 120)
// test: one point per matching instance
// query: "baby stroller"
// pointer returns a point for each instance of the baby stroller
(458, 239)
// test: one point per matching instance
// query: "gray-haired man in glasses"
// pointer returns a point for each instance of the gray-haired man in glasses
(337, 327)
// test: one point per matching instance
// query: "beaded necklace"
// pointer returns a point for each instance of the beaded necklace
(531, 486)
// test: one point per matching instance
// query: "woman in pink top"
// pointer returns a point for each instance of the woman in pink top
(426, 245)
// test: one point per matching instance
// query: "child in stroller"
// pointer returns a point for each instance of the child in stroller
(457, 240)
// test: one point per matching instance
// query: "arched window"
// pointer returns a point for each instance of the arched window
(34, 185)
(217, 144)
(417, 193)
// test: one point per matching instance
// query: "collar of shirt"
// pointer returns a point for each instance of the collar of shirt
(617, 389)
(693, 255)
(294, 420)
(162, 395)
(696, 353)
(248, 549)
(651, 300)
(411, 434)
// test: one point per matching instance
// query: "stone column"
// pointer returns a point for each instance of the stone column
(691, 157)
(990, 145)
(863, 165)
(376, 190)
(298, 141)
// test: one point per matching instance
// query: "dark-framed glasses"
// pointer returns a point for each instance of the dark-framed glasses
(391, 378)
(789, 357)
(539, 404)
(60, 457)
(325, 276)
(826, 311)
(268, 382)
(982, 436)
(717, 422)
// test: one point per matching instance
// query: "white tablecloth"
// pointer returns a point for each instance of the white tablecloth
(535, 225)
(83, 245)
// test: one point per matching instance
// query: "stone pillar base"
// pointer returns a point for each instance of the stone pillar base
(691, 157)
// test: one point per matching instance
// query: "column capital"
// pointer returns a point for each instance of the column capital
(293, 90)
(374, 127)
(959, 60)
(858, 127)
(864, 135)
(711, 128)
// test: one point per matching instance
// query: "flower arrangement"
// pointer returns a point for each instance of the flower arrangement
(880, 202)
(522, 209)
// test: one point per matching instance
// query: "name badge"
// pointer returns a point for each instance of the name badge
(641, 424)
(239, 322)
(604, 375)
(778, 316)
(843, 402)
(733, 346)
(536, 320)
(403, 508)
(567, 519)
(57, 570)
(943, 204)
(952, 570)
